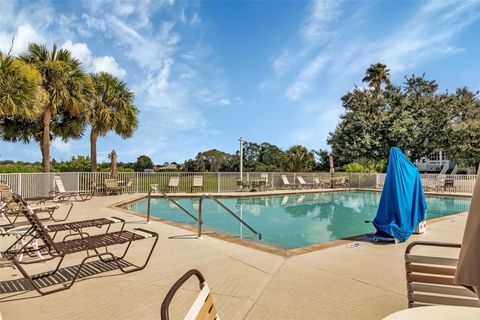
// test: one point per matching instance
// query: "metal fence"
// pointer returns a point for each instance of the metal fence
(38, 185)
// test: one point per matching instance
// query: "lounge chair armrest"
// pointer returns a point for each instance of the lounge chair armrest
(116, 219)
(432, 244)
(151, 233)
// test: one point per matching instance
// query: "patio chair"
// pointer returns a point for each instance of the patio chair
(202, 308)
(430, 279)
(286, 183)
(10, 210)
(173, 184)
(197, 183)
(264, 181)
(60, 250)
(303, 183)
(429, 184)
(128, 187)
(112, 186)
(342, 182)
(449, 185)
(239, 184)
(60, 194)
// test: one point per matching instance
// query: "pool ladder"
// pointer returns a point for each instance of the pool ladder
(233, 214)
(153, 188)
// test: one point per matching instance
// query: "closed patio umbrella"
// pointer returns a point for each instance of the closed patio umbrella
(468, 267)
(113, 165)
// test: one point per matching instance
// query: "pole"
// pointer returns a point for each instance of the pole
(241, 159)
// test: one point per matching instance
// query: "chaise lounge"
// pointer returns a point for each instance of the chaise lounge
(60, 250)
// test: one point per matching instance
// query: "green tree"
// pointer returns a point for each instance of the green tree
(67, 90)
(111, 109)
(376, 75)
(214, 158)
(464, 136)
(298, 159)
(21, 94)
(143, 162)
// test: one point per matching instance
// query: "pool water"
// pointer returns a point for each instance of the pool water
(292, 221)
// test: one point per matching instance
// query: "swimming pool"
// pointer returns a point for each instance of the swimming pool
(292, 221)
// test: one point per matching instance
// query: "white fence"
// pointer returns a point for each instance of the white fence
(38, 185)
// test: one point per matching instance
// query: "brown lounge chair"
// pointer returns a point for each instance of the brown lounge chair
(203, 308)
(11, 210)
(60, 194)
(430, 279)
(59, 250)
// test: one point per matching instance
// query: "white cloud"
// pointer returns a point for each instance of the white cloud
(79, 51)
(224, 102)
(108, 64)
(303, 83)
(24, 35)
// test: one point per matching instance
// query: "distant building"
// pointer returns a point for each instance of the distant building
(437, 162)
(168, 167)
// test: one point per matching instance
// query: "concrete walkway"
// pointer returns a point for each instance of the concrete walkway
(359, 280)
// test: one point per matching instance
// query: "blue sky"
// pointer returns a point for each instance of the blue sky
(206, 73)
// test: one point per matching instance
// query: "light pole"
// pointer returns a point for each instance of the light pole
(241, 157)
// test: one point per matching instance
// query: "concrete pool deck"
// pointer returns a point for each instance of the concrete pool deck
(356, 280)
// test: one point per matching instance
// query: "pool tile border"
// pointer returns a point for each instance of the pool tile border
(263, 247)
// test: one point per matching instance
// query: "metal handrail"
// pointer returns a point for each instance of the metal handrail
(153, 188)
(200, 222)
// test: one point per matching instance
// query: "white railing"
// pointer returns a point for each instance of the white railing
(38, 185)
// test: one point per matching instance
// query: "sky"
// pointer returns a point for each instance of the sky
(206, 73)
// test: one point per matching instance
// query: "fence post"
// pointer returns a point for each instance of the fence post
(136, 182)
(218, 182)
(19, 184)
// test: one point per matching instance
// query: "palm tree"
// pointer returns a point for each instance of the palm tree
(20, 89)
(376, 75)
(67, 90)
(112, 109)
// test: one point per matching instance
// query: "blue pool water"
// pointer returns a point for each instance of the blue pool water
(292, 221)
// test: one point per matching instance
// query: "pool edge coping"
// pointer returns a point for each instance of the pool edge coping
(286, 253)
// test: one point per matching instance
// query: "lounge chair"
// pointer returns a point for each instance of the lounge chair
(10, 210)
(173, 184)
(59, 250)
(203, 306)
(60, 194)
(430, 279)
(303, 183)
(285, 182)
(197, 183)
(112, 186)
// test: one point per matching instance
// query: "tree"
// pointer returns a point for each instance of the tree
(143, 162)
(111, 109)
(464, 137)
(376, 75)
(298, 159)
(67, 89)
(21, 93)
(215, 158)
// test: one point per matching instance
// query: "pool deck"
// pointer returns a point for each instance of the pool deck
(353, 280)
